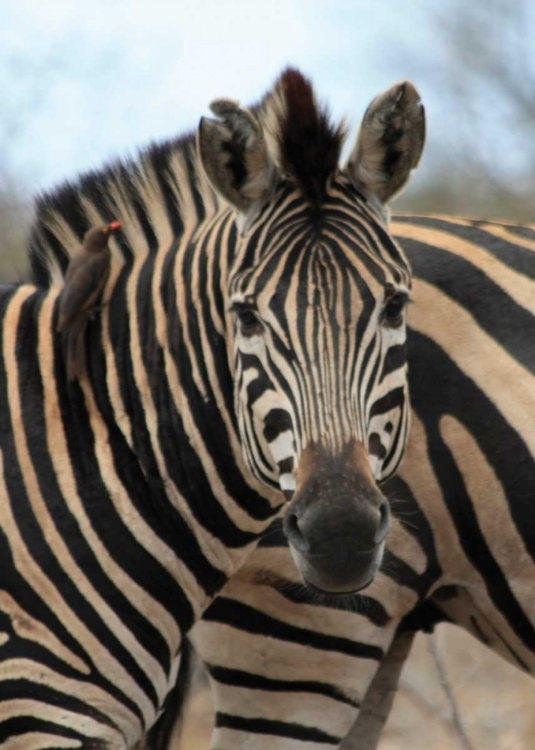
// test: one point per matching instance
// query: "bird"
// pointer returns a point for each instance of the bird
(85, 279)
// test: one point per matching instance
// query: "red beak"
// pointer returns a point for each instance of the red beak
(115, 225)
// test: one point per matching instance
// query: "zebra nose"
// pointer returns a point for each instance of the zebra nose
(384, 522)
(294, 534)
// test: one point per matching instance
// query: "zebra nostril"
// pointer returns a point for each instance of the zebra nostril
(384, 523)
(294, 534)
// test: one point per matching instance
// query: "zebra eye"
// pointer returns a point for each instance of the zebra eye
(248, 321)
(393, 310)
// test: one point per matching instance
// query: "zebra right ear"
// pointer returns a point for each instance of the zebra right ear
(390, 142)
(234, 155)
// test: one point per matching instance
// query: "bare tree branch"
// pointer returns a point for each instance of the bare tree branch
(377, 704)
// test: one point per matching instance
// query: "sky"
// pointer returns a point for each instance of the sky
(84, 82)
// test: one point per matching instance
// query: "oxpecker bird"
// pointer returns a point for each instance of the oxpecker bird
(84, 283)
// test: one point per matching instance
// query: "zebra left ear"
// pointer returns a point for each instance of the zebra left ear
(234, 155)
(390, 142)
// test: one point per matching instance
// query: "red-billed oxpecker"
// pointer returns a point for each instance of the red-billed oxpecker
(84, 283)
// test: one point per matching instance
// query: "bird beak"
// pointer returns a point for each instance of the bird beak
(114, 226)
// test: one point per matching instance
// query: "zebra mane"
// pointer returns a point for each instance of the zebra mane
(302, 140)
(164, 192)
(157, 196)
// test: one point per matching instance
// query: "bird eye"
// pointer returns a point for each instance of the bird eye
(393, 310)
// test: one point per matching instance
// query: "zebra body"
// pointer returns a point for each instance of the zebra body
(289, 668)
(130, 495)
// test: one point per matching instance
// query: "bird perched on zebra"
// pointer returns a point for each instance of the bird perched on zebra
(85, 280)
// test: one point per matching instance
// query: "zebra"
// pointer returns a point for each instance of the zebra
(291, 669)
(251, 275)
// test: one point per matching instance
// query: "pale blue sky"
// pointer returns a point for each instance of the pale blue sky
(95, 80)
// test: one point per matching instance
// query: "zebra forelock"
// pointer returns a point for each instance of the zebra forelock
(303, 141)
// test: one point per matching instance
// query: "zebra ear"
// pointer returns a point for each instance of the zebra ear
(390, 142)
(234, 155)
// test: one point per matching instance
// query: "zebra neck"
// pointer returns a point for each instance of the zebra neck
(166, 384)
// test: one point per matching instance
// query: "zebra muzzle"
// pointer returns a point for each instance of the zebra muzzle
(337, 520)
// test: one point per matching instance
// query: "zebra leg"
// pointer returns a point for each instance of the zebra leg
(160, 735)
(287, 671)
(377, 704)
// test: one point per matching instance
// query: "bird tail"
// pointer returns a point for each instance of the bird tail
(73, 338)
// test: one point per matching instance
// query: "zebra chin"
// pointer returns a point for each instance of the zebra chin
(339, 577)
(337, 520)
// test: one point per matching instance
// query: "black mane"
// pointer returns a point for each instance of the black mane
(307, 147)
(126, 179)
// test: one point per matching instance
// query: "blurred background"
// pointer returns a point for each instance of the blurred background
(83, 83)
(86, 82)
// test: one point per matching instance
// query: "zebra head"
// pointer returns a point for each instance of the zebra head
(316, 295)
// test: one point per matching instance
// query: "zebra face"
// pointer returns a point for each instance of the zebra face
(321, 378)
(316, 292)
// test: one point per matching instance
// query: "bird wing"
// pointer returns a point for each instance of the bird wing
(83, 285)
